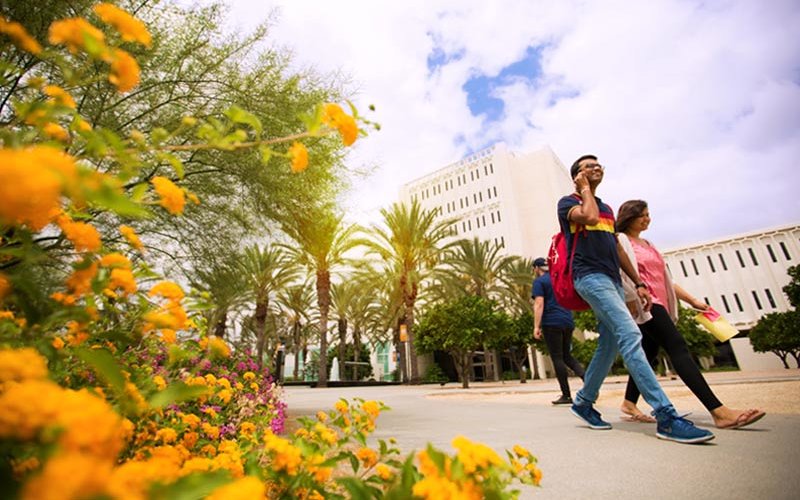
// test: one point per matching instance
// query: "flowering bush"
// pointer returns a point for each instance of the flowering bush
(108, 386)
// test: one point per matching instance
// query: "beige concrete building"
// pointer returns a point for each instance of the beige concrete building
(498, 195)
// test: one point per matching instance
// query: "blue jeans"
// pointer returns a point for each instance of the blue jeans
(618, 331)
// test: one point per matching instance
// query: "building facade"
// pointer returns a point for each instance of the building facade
(498, 195)
(741, 276)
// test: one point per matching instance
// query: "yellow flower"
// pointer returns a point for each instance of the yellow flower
(535, 472)
(161, 384)
(225, 395)
(57, 343)
(69, 475)
(5, 286)
(372, 408)
(132, 237)
(368, 456)
(435, 488)
(122, 279)
(211, 431)
(83, 236)
(190, 439)
(59, 96)
(73, 33)
(384, 472)
(521, 452)
(191, 420)
(167, 435)
(219, 348)
(172, 197)
(129, 28)
(246, 488)
(168, 336)
(19, 365)
(225, 383)
(475, 456)
(341, 406)
(249, 376)
(322, 416)
(247, 428)
(168, 290)
(80, 281)
(334, 117)
(299, 156)
(115, 260)
(31, 184)
(55, 131)
(19, 36)
(124, 70)
(285, 456)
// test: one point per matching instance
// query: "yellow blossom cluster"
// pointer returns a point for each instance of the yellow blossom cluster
(475, 456)
(84, 236)
(20, 365)
(285, 456)
(170, 316)
(336, 118)
(171, 196)
(299, 156)
(20, 36)
(133, 239)
(129, 28)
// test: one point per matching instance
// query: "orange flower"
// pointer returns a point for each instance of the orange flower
(115, 260)
(55, 131)
(80, 282)
(19, 36)
(172, 197)
(124, 70)
(59, 96)
(82, 235)
(334, 117)
(130, 28)
(299, 155)
(73, 33)
(132, 237)
(31, 182)
(122, 279)
(58, 343)
(368, 456)
(168, 290)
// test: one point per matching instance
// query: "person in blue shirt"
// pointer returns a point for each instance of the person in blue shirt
(588, 223)
(556, 325)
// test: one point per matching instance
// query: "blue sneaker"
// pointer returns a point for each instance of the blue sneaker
(677, 428)
(588, 414)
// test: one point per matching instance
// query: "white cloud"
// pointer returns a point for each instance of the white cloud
(694, 106)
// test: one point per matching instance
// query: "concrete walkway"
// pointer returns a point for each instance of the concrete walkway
(761, 461)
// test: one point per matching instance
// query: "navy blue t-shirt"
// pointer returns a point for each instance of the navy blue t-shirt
(597, 245)
(553, 314)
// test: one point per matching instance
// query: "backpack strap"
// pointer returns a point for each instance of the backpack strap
(578, 228)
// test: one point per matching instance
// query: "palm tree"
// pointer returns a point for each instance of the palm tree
(411, 241)
(296, 302)
(266, 270)
(322, 241)
(223, 293)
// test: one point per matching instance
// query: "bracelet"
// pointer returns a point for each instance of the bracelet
(641, 285)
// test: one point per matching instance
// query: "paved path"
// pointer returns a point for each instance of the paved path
(762, 461)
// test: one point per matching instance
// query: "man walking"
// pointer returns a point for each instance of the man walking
(589, 223)
(557, 325)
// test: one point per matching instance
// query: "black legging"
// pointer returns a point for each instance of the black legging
(559, 343)
(661, 332)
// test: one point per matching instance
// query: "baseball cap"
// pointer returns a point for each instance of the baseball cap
(539, 262)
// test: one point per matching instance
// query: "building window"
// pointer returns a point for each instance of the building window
(471, 175)
(694, 266)
(483, 219)
(469, 225)
(758, 302)
(489, 193)
(725, 303)
(495, 190)
(463, 226)
(498, 216)
(502, 242)
(477, 222)
(466, 200)
(492, 216)
(785, 251)
(461, 202)
(683, 268)
(477, 173)
(752, 256)
(711, 264)
(771, 253)
(770, 298)
(474, 198)
(741, 260)
(722, 261)
(738, 302)
(459, 180)
(491, 168)
(480, 196)
(486, 169)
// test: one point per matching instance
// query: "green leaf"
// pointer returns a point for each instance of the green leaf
(353, 462)
(357, 489)
(105, 366)
(192, 487)
(138, 192)
(110, 198)
(173, 160)
(176, 393)
(266, 153)
(158, 135)
(238, 115)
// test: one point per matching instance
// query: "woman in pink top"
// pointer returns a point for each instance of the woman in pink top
(658, 325)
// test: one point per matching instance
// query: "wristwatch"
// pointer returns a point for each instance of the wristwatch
(641, 285)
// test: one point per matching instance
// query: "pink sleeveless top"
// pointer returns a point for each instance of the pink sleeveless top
(651, 268)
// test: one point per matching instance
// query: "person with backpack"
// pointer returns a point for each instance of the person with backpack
(658, 325)
(596, 259)
(556, 324)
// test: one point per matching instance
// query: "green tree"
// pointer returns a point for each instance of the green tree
(296, 302)
(322, 241)
(460, 327)
(699, 341)
(792, 290)
(778, 333)
(410, 242)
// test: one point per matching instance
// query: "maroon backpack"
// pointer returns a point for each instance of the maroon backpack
(561, 273)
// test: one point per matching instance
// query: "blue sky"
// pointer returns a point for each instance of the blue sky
(693, 105)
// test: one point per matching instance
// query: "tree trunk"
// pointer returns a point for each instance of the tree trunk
(535, 363)
(519, 363)
(342, 325)
(401, 354)
(221, 326)
(261, 329)
(323, 302)
(796, 356)
(409, 299)
(296, 348)
(356, 351)
(462, 365)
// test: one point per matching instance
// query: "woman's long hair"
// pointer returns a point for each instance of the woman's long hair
(629, 211)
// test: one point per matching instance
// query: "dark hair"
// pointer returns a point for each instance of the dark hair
(573, 171)
(629, 211)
